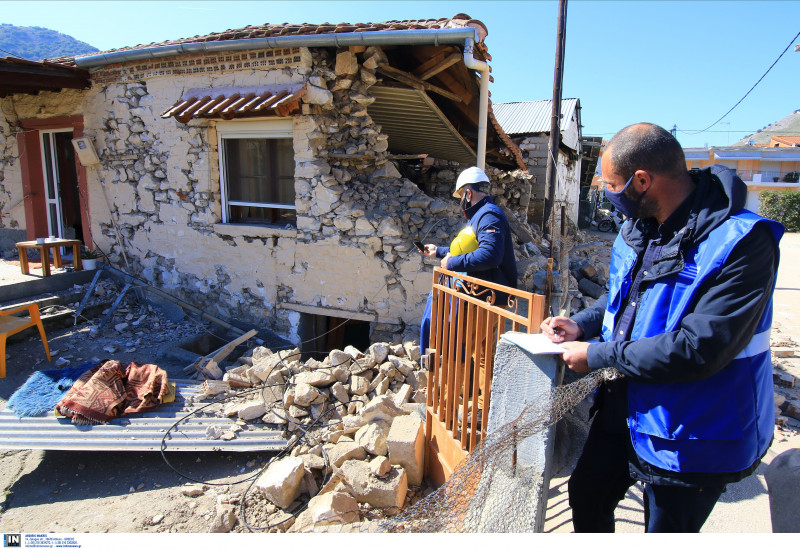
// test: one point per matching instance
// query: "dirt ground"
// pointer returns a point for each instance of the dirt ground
(63, 491)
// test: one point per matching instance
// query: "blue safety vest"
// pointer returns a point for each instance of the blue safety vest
(722, 423)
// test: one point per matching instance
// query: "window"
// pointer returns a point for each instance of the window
(257, 172)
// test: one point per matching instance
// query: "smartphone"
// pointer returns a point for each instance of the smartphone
(419, 246)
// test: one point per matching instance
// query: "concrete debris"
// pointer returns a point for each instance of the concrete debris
(380, 466)
(406, 446)
(224, 517)
(334, 508)
(281, 482)
(387, 492)
(192, 490)
(345, 450)
(372, 437)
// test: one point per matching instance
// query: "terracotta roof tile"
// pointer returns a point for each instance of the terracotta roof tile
(294, 29)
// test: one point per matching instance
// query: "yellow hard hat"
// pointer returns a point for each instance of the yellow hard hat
(464, 243)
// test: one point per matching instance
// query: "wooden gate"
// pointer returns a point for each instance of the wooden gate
(465, 328)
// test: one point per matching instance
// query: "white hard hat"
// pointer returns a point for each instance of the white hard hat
(468, 177)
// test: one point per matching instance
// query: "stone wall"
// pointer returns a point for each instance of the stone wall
(155, 202)
(534, 152)
(12, 208)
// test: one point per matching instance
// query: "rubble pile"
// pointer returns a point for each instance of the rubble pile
(786, 368)
(355, 422)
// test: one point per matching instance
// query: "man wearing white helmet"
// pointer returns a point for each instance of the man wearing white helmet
(493, 260)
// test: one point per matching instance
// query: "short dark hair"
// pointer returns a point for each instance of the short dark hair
(647, 147)
(475, 187)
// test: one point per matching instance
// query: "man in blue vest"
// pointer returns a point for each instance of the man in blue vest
(686, 320)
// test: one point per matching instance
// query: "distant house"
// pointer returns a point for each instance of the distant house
(275, 174)
(528, 125)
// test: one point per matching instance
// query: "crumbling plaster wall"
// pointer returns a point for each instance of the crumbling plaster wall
(567, 193)
(155, 202)
(12, 109)
(12, 207)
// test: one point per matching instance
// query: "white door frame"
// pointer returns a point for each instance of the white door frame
(55, 227)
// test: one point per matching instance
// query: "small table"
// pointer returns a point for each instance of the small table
(23, 247)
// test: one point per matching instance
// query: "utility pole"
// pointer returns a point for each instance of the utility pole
(555, 141)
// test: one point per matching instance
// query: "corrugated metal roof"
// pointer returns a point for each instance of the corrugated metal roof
(525, 117)
(415, 125)
(137, 432)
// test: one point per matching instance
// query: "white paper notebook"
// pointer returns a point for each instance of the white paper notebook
(537, 344)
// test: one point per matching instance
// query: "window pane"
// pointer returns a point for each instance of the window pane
(260, 171)
(265, 216)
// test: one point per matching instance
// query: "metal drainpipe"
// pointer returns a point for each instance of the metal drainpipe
(414, 37)
(483, 107)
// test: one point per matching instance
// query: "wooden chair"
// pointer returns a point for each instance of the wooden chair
(10, 325)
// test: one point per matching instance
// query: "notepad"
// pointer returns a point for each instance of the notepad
(537, 344)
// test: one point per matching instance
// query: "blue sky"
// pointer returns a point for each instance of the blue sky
(668, 62)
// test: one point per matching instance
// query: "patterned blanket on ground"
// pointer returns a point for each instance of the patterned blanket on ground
(111, 390)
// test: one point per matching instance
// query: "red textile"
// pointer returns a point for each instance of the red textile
(108, 391)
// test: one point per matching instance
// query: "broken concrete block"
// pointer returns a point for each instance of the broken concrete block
(247, 410)
(379, 352)
(353, 352)
(297, 412)
(381, 408)
(213, 432)
(380, 466)
(382, 387)
(782, 352)
(192, 490)
(341, 374)
(312, 461)
(402, 396)
(225, 517)
(362, 365)
(377, 380)
(281, 482)
(359, 385)
(305, 394)
(783, 380)
(339, 358)
(372, 437)
(316, 378)
(274, 418)
(412, 350)
(334, 508)
(417, 379)
(406, 445)
(791, 409)
(339, 392)
(344, 451)
(387, 492)
(309, 485)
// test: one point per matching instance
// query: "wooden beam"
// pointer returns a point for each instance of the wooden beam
(414, 82)
(446, 63)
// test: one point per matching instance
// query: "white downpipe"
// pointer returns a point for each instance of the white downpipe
(483, 107)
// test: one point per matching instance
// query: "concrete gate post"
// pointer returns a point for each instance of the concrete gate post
(520, 378)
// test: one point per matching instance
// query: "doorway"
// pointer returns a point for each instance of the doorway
(62, 197)
(320, 334)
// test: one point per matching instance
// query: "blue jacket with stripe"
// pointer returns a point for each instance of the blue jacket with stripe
(697, 362)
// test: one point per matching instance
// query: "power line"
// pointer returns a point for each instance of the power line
(754, 85)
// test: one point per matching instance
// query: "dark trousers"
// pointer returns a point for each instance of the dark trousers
(602, 477)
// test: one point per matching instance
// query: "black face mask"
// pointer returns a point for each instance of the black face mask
(465, 202)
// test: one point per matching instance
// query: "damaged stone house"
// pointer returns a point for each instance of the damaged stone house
(527, 123)
(274, 175)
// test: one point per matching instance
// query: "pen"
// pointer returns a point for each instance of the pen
(556, 331)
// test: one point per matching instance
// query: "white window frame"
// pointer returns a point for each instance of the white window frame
(248, 129)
